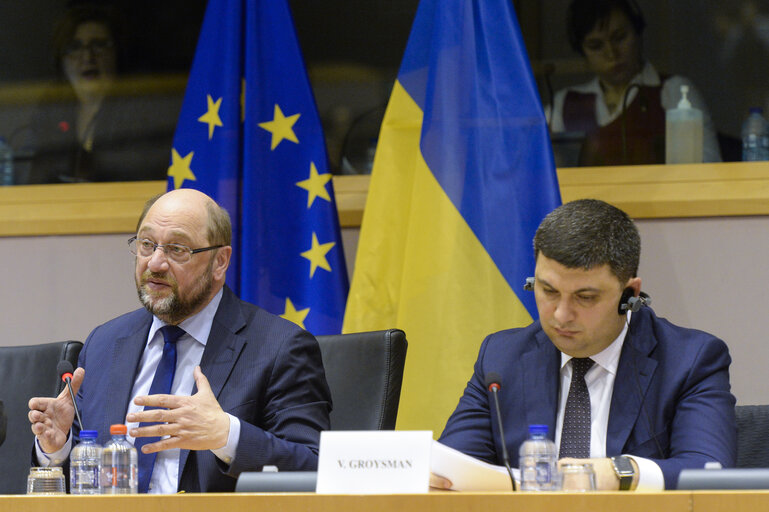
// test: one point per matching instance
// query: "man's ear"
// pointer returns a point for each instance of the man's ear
(222, 262)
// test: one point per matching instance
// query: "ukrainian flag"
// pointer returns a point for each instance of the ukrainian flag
(250, 137)
(463, 174)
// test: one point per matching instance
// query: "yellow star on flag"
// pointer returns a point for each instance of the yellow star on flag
(212, 116)
(317, 255)
(281, 127)
(292, 315)
(315, 185)
(180, 168)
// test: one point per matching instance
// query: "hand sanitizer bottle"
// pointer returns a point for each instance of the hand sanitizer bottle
(683, 132)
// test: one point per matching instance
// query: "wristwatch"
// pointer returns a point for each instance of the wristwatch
(624, 471)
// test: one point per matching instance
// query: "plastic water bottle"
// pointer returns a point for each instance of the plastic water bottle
(683, 132)
(6, 163)
(755, 136)
(538, 461)
(85, 465)
(119, 464)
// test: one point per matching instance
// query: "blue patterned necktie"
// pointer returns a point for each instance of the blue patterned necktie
(575, 434)
(161, 385)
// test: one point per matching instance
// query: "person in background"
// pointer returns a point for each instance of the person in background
(247, 388)
(621, 111)
(89, 130)
(619, 387)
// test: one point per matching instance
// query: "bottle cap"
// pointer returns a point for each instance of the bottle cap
(538, 429)
(88, 434)
(118, 429)
(756, 110)
(684, 103)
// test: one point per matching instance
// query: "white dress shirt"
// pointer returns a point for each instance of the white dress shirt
(600, 383)
(189, 350)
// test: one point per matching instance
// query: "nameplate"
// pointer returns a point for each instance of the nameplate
(374, 462)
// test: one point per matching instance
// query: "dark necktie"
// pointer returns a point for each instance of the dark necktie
(575, 434)
(161, 385)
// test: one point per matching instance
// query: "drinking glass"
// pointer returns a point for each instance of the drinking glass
(577, 478)
(46, 481)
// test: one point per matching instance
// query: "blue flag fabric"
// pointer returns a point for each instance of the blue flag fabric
(467, 68)
(250, 137)
(462, 177)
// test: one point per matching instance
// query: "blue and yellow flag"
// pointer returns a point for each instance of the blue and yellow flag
(250, 137)
(463, 174)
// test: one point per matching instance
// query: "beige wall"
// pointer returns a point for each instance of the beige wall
(710, 273)
(704, 272)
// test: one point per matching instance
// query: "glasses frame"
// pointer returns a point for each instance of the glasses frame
(164, 247)
(97, 47)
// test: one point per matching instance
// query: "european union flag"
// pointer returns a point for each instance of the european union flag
(463, 175)
(250, 137)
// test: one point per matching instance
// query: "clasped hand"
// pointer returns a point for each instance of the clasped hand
(194, 422)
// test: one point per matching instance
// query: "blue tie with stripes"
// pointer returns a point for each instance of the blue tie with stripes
(161, 385)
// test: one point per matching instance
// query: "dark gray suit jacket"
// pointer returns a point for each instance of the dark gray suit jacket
(263, 369)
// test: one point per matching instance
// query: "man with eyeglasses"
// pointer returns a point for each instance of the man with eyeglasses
(246, 389)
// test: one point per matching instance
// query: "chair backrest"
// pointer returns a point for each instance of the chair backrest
(364, 371)
(27, 371)
(752, 429)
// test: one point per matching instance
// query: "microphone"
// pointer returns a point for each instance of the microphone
(493, 384)
(64, 369)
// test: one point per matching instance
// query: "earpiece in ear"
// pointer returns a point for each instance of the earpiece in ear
(626, 301)
(529, 284)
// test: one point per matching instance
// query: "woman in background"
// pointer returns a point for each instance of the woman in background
(622, 110)
(87, 131)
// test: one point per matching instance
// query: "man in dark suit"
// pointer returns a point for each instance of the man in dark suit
(659, 395)
(248, 389)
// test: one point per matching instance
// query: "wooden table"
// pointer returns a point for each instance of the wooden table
(671, 501)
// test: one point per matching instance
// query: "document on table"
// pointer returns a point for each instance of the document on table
(468, 473)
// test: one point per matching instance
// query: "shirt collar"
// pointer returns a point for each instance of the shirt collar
(608, 358)
(648, 76)
(198, 326)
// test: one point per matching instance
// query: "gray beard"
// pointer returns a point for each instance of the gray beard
(172, 309)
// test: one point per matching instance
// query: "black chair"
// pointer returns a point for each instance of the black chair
(364, 371)
(27, 371)
(752, 430)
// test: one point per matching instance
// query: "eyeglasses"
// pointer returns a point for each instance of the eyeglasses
(174, 252)
(96, 46)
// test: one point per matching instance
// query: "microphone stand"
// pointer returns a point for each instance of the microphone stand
(494, 388)
(67, 377)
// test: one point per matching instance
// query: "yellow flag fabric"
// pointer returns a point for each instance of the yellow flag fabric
(450, 200)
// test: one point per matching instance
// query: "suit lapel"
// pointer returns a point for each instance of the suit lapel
(126, 354)
(224, 344)
(634, 374)
(540, 383)
(223, 347)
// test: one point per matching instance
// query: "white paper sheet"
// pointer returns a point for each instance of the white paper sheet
(468, 473)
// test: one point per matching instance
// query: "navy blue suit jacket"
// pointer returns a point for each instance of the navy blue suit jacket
(671, 400)
(262, 369)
